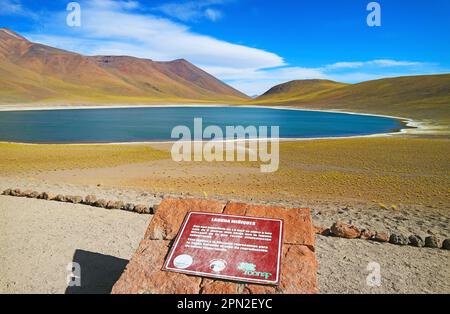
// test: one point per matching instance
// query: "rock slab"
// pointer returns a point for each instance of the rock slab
(143, 273)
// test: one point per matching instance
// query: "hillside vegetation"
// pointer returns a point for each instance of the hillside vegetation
(421, 97)
(31, 72)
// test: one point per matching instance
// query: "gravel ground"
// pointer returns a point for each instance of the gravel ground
(39, 238)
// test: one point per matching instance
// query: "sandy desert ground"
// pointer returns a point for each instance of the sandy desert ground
(39, 238)
(394, 185)
(391, 184)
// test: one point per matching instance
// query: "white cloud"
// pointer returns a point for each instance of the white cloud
(124, 28)
(257, 81)
(213, 14)
(376, 63)
(14, 8)
(254, 82)
(193, 10)
(109, 28)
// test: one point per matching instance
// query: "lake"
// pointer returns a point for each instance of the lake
(156, 123)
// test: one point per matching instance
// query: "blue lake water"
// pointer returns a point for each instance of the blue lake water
(156, 124)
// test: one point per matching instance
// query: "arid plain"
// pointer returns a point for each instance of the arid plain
(390, 183)
(393, 184)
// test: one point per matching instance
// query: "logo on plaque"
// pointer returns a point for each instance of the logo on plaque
(218, 265)
(183, 261)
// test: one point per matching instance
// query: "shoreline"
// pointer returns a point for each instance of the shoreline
(411, 127)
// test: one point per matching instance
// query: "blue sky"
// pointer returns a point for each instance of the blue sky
(251, 44)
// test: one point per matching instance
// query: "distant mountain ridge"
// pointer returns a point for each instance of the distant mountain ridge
(35, 72)
(299, 88)
(424, 96)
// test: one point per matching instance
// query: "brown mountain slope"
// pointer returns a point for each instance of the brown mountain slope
(35, 72)
(299, 88)
(424, 97)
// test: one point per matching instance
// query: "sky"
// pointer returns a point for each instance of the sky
(251, 44)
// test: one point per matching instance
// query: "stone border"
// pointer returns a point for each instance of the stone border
(346, 231)
(89, 200)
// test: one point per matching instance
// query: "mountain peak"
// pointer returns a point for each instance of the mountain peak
(5, 32)
(299, 88)
(31, 67)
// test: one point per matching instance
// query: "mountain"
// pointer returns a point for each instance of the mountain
(299, 88)
(35, 72)
(424, 97)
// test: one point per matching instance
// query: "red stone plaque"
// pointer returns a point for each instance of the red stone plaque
(238, 248)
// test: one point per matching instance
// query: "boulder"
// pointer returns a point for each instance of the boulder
(298, 275)
(101, 203)
(128, 207)
(215, 287)
(59, 198)
(171, 213)
(34, 194)
(342, 230)
(114, 205)
(90, 200)
(74, 199)
(398, 239)
(142, 209)
(446, 244)
(26, 193)
(46, 196)
(432, 242)
(16, 192)
(415, 240)
(7, 192)
(322, 231)
(143, 274)
(298, 227)
(380, 237)
(367, 234)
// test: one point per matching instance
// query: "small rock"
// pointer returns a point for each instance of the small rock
(416, 241)
(34, 194)
(74, 199)
(128, 207)
(100, 203)
(114, 205)
(46, 196)
(446, 244)
(7, 192)
(16, 192)
(398, 239)
(366, 234)
(326, 232)
(90, 200)
(432, 242)
(59, 198)
(322, 231)
(26, 193)
(380, 237)
(318, 230)
(343, 230)
(110, 205)
(142, 209)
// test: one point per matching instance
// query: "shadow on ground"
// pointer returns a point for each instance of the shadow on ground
(98, 272)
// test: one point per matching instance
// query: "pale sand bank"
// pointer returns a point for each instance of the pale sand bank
(39, 239)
